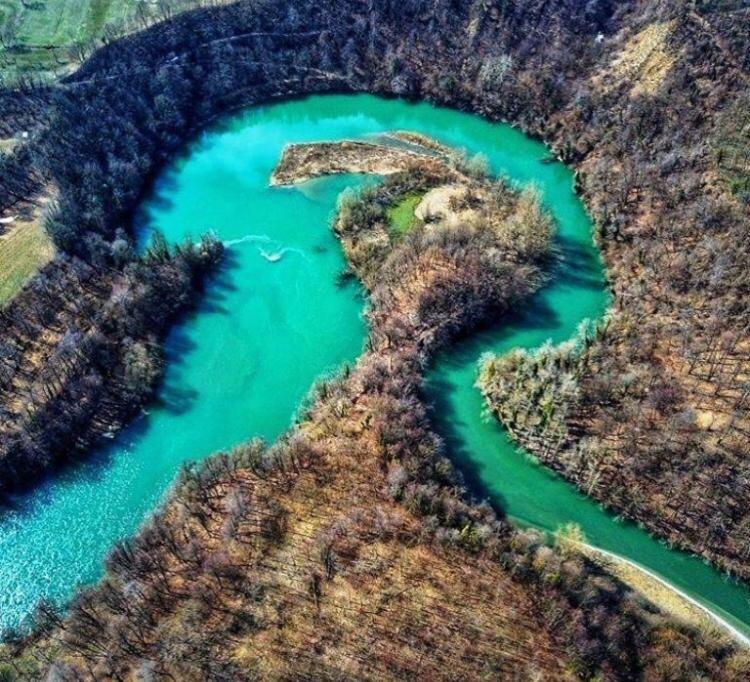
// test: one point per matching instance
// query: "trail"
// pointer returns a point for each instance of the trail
(724, 624)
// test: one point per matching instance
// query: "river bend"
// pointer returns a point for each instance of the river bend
(275, 319)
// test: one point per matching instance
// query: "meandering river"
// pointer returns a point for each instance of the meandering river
(274, 320)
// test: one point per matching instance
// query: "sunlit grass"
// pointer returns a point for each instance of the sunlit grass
(23, 250)
(401, 216)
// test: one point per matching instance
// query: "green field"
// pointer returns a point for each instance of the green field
(23, 250)
(401, 215)
(36, 36)
(62, 22)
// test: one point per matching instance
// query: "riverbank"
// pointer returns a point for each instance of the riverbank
(662, 594)
(81, 354)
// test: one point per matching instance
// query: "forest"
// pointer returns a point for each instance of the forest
(639, 98)
(656, 424)
(363, 500)
(80, 351)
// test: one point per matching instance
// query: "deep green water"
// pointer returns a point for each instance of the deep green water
(241, 365)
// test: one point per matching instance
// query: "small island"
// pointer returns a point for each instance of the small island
(428, 188)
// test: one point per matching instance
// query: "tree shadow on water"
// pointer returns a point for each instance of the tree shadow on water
(88, 469)
(440, 393)
(448, 425)
(176, 399)
(178, 346)
(578, 266)
(220, 287)
(493, 336)
(173, 396)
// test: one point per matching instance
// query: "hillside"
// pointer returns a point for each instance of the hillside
(43, 40)
(350, 548)
(657, 426)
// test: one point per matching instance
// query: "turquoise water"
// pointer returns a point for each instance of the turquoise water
(275, 319)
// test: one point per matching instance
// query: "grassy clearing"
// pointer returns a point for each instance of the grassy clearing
(38, 35)
(7, 145)
(24, 248)
(401, 216)
(61, 23)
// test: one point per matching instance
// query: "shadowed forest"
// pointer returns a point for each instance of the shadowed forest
(351, 539)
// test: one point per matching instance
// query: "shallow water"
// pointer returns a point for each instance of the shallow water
(275, 319)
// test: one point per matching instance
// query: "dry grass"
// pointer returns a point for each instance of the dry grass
(645, 59)
(664, 597)
(391, 600)
(24, 249)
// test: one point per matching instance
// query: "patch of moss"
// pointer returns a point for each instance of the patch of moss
(401, 218)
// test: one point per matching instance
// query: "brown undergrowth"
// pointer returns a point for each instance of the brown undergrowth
(347, 550)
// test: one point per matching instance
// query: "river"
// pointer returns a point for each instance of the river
(275, 319)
